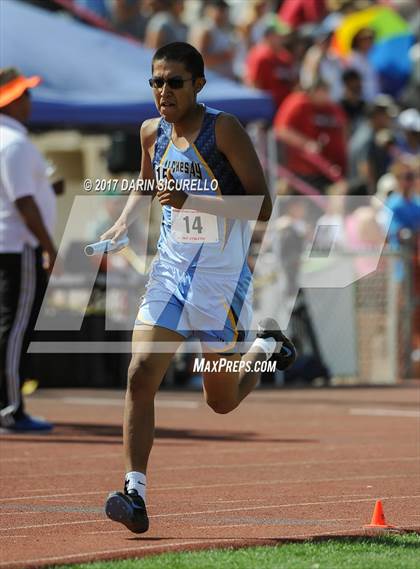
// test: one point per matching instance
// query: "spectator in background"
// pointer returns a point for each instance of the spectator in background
(362, 230)
(269, 65)
(292, 232)
(298, 12)
(253, 25)
(409, 140)
(386, 186)
(405, 201)
(213, 38)
(352, 101)
(358, 60)
(410, 96)
(311, 125)
(320, 62)
(404, 204)
(353, 220)
(250, 30)
(404, 231)
(363, 143)
(381, 152)
(131, 16)
(166, 26)
(27, 217)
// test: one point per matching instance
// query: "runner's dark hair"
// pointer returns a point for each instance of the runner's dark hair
(183, 53)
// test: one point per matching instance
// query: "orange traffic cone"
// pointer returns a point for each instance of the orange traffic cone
(378, 520)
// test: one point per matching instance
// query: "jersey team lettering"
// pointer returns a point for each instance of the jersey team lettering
(191, 169)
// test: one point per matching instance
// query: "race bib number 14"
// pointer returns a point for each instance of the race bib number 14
(190, 226)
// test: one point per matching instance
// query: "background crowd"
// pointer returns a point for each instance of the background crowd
(344, 78)
(332, 101)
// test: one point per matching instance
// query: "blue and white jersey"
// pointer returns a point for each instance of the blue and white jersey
(191, 239)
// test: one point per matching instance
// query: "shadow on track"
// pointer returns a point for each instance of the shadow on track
(88, 433)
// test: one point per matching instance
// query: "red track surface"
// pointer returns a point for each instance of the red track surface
(286, 464)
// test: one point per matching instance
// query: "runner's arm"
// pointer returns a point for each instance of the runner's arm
(233, 141)
(134, 202)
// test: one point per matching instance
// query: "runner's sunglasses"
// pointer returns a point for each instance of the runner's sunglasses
(172, 82)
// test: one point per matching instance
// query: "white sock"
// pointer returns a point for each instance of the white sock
(267, 345)
(136, 481)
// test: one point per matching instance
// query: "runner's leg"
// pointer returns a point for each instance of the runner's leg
(224, 390)
(145, 375)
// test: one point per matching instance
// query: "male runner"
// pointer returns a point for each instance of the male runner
(200, 283)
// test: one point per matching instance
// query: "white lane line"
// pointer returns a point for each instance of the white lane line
(233, 501)
(219, 511)
(55, 457)
(72, 500)
(223, 485)
(375, 412)
(288, 481)
(346, 496)
(105, 531)
(276, 523)
(77, 522)
(209, 450)
(283, 463)
(72, 473)
(273, 506)
(42, 490)
(103, 401)
(17, 512)
(8, 512)
(115, 552)
(227, 526)
(103, 492)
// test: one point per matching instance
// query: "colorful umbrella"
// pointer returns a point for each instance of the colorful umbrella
(386, 24)
(390, 53)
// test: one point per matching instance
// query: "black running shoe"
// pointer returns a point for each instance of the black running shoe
(128, 509)
(286, 355)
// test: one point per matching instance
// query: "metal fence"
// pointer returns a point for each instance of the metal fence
(365, 332)
(369, 331)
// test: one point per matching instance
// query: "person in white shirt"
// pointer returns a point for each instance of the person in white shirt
(166, 25)
(27, 217)
(213, 38)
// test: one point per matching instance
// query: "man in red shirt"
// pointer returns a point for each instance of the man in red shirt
(312, 126)
(298, 12)
(269, 65)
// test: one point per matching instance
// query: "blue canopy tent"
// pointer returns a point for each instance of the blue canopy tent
(93, 77)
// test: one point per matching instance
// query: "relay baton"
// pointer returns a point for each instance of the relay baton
(106, 246)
